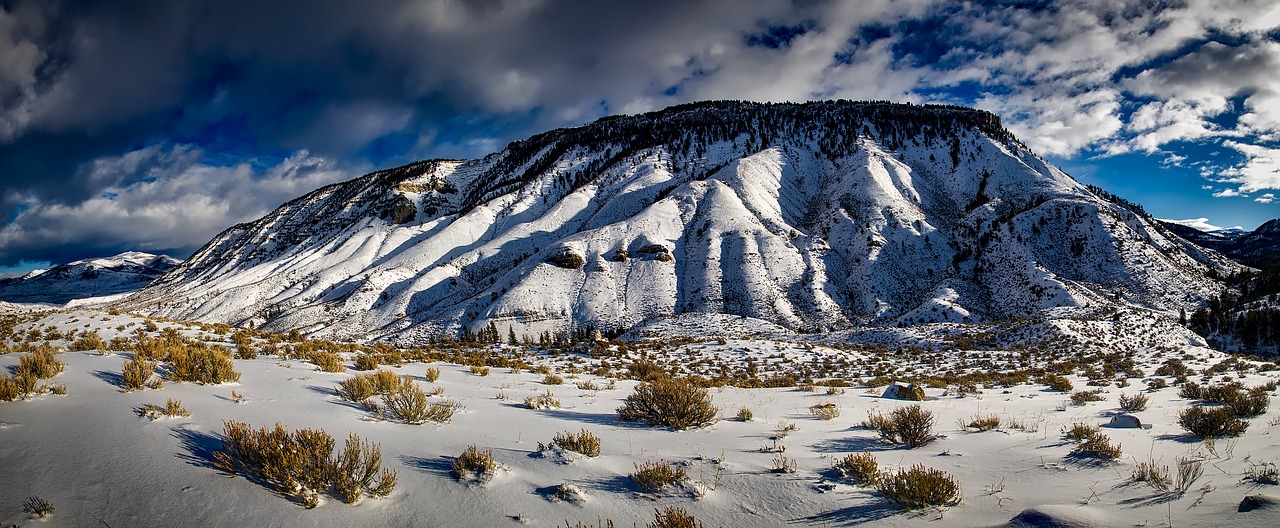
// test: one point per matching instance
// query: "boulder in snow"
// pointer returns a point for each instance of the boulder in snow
(1126, 421)
(899, 391)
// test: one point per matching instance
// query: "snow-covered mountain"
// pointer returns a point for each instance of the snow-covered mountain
(814, 217)
(82, 279)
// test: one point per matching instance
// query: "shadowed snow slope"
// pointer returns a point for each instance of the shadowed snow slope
(814, 217)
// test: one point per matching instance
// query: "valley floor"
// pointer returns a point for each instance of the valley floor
(100, 464)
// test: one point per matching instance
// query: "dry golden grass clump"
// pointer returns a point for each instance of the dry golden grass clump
(327, 361)
(1056, 382)
(1082, 397)
(136, 373)
(88, 341)
(408, 403)
(825, 411)
(41, 363)
(172, 409)
(546, 400)
(1091, 443)
(303, 464)
(983, 423)
(654, 475)
(860, 468)
(919, 487)
(675, 403)
(364, 386)
(198, 362)
(583, 442)
(475, 464)
(674, 517)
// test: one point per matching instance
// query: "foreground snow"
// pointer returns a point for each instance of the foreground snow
(98, 463)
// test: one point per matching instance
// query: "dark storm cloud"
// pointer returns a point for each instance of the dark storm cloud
(119, 111)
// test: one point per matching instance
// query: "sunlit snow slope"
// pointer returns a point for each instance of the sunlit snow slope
(813, 216)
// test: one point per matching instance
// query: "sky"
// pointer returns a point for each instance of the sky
(153, 126)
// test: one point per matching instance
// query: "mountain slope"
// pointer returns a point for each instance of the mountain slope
(82, 279)
(814, 216)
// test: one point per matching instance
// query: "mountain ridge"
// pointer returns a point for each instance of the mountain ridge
(814, 216)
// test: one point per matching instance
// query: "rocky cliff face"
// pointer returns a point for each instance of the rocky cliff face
(815, 217)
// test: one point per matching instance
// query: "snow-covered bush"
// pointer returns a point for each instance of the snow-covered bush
(475, 464)
(583, 442)
(654, 475)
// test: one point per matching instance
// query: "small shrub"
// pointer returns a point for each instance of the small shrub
(552, 379)
(1079, 431)
(302, 462)
(825, 411)
(919, 487)
(16, 387)
(1056, 382)
(37, 507)
(364, 386)
(546, 400)
(861, 468)
(675, 403)
(583, 442)
(475, 464)
(1204, 422)
(136, 373)
(1189, 471)
(484, 371)
(1153, 474)
(654, 475)
(200, 364)
(1085, 396)
(172, 409)
(674, 517)
(327, 361)
(408, 403)
(744, 415)
(1097, 445)
(1263, 473)
(433, 374)
(911, 426)
(39, 364)
(88, 341)
(1135, 403)
(984, 423)
(1247, 404)
(366, 362)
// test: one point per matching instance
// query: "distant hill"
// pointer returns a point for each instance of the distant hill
(82, 279)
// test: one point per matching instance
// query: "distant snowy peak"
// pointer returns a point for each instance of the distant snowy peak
(1263, 242)
(814, 217)
(87, 278)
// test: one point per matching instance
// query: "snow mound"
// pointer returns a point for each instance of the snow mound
(1060, 516)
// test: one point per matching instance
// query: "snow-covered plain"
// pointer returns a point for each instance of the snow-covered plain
(100, 464)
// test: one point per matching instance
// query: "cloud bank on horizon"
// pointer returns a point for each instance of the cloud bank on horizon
(152, 126)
